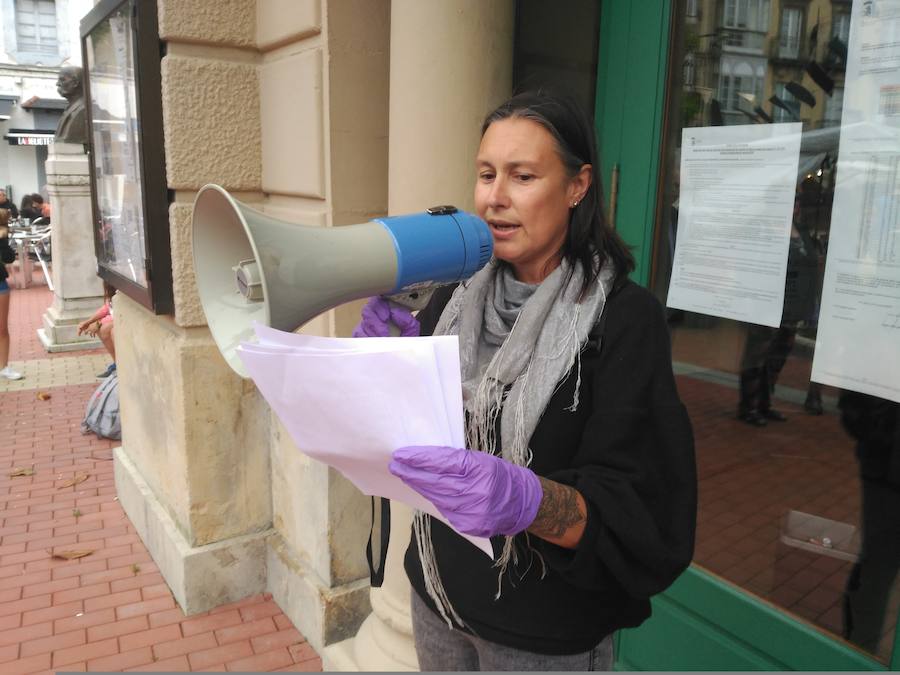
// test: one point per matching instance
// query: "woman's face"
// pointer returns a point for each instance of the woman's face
(524, 193)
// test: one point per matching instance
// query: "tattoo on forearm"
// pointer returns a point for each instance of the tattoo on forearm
(559, 510)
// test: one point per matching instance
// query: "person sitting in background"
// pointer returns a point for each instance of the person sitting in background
(27, 209)
(7, 255)
(41, 207)
(6, 203)
(100, 324)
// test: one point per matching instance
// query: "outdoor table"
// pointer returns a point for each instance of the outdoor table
(23, 243)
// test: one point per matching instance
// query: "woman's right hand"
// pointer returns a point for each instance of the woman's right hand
(85, 327)
(378, 317)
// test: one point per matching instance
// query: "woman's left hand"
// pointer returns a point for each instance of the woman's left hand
(479, 494)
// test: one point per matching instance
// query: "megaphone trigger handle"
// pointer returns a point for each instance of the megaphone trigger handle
(412, 300)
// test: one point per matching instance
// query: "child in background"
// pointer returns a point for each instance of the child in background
(100, 324)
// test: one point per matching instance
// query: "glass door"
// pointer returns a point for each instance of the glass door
(799, 482)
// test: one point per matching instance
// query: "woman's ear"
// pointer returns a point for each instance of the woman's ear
(580, 183)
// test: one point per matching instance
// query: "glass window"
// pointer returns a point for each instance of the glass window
(745, 14)
(789, 40)
(692, 8)
(36, 26)
(785, 107)
(833, 105)
(116, 144)
(840, 27)
(786, 503)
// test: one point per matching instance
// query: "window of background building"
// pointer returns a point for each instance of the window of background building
(833, 106)
(840, 27)
(792, 114)
(789, 39)
(36, 26)
(746, 14)
(781, 506)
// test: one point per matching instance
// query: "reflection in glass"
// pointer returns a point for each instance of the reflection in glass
(116, 151)
(799, 482)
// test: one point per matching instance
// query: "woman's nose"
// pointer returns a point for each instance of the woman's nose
(499, 195)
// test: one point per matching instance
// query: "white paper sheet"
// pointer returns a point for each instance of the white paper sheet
(736, 203)
(351, 402)
(858, 340)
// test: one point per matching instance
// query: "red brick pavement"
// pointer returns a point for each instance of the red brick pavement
(750, 479)
(110, 610)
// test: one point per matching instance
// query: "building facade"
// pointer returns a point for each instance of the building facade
(331, 112)
(37, 37)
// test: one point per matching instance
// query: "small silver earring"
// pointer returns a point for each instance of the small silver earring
(574, 204)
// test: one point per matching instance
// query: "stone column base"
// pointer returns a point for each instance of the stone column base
(377, 647)
(324, 615)
(61, 319)
(200, 577)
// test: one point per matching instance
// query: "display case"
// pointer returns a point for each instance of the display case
(121, 55)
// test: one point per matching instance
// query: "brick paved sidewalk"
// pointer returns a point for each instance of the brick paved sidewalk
(110, 610)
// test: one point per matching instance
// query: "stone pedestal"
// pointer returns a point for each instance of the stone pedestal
(78, 291)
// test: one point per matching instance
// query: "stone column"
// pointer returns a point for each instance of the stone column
(77, 290)
(450, 64)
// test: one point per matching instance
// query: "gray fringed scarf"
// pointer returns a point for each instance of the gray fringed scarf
(543, 345)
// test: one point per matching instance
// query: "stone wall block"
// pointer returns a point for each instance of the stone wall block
(348, 532)
(227, 447)
(323, 614)
(188, 310)
(211, 122)
(151, 401)
(224, 22)
(293, 155)
(279, 22)
(318, 511)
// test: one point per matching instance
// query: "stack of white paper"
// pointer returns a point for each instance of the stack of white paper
(351, 402)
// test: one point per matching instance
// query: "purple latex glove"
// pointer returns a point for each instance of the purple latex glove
(378, 315)
(478, 493)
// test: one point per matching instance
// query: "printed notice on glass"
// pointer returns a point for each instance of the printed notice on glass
(858, 340)
(734, 221)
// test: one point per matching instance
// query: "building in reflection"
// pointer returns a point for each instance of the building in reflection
(760, 61)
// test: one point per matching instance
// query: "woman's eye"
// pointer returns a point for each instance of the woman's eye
(525, 177)
(485, 175)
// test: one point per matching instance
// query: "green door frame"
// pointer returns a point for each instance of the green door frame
(702, 622)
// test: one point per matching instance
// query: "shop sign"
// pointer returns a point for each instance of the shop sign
(31, 140)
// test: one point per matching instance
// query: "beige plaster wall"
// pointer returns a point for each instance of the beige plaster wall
(292, 124)
(466, 69)
(280, 22)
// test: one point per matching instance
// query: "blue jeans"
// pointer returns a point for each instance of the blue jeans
(441, 648)
(4, 287)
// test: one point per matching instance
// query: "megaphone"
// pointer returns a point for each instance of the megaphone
(251, 267)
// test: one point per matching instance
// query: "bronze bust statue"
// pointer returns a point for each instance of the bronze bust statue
(72, 127)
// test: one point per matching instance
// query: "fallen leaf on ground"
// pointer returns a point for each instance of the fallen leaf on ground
(69, 555)
(80, 478)
(43, 396)
(21, 471)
